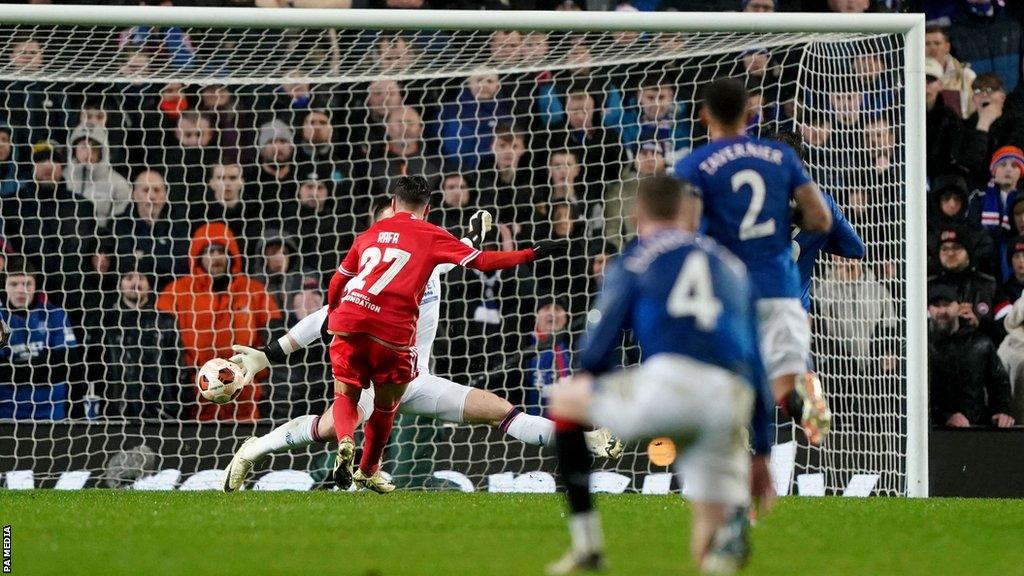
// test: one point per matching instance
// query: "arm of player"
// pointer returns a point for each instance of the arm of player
(302, 335)
(843, 240)
(607, 320)
(815, 215)
(448, 249)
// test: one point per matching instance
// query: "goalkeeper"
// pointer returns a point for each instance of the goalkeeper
(427, 395)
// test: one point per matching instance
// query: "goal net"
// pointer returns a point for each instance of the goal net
(174, 189)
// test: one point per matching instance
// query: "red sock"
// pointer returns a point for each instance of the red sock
(376, 433)
(345, 416)
(563, 425)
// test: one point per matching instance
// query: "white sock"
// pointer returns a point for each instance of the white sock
(529, 429)
(291, 435)
(585, 530)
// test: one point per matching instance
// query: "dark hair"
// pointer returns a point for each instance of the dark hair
(508, 132)
(792, 139)
(726, 100)
(411, 191)
(16, 265)
(379, 206)
(93, 103)
(937, 29)
(659, 196)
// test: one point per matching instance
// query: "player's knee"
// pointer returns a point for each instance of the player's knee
(485, 407)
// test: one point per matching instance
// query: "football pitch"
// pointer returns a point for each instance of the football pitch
(425, 533)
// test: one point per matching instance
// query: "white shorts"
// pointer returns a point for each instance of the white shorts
(705, 409)
(427, 395)
(785, 335)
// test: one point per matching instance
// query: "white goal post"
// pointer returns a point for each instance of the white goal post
(882, 414)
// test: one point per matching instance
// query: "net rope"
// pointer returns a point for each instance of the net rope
(289, 137)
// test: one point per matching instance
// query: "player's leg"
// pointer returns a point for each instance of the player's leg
(391, 370)
(571, 404)
(785, 348)
(292, 435)
(436, 397)
(376, 432)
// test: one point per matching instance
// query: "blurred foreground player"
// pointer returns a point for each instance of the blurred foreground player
(747, 185)
(687, 302)
(428, 395)
(373, 306)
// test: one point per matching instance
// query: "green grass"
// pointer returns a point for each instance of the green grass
(416, 533)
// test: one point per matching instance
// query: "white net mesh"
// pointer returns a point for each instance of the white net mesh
(126, 144)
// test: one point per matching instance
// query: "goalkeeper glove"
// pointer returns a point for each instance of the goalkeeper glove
(479, 225)
(546, 248)
(5, 333)
(251, 361)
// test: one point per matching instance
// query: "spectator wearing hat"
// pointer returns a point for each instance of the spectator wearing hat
(321, 224)
(993, 125)
(943, 127)
(48, 225)
(149, 229)
(97, 112)
(274, 180)
(957, 79)
(950, 204)
(1006, 168)
(969, 386)
(216, 305)
(35, 364)
(976, 291)
(144, 376)
(90, 175)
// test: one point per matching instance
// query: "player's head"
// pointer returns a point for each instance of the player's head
(664, 201)
(381, 210)
(19, 283)
(411, 194)
(792, 139)
(725, 106)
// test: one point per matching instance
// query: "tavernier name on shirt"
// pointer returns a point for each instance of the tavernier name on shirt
(740, 150)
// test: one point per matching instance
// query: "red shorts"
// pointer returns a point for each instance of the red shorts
(359, 360)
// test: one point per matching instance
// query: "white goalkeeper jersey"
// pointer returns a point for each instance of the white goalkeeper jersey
(307, 330)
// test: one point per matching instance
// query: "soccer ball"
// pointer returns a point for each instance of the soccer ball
(220, 380)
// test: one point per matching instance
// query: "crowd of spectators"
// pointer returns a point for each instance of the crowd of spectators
(146, 227)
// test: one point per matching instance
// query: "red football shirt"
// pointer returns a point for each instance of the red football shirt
(390, 264)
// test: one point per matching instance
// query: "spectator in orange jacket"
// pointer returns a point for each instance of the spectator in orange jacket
(218, 305)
